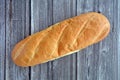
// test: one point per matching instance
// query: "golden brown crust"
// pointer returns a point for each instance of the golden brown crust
(61, 39)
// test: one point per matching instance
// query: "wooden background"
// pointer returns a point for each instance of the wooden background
(20, 18)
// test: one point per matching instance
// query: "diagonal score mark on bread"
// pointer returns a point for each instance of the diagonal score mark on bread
(36, 51)
(18, 52)
(36, 47)
(61, 39)
(79, 31)
(99, 34)
(82, 29)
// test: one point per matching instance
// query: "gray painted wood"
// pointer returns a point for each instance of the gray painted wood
(2, 39)
(87, 59)
(64, 68)
(41, 19)
(108, 69)
(19, 18)
(50, 12)
(16, 29)
(99, 62)
(118, 25)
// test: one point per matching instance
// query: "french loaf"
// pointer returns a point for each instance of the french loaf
(61, 39)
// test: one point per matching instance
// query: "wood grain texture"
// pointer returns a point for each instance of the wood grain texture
(41, 19)
(118, 25)
(87, 59)
(64, 68)
(19, 18)
(108, 69)
(16, 30)
(2, 39)
(48, 12)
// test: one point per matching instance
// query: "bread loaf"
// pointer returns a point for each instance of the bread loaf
(61, 39)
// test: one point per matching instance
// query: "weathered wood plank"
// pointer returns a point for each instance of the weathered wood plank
(50, 22)
(116, 33)
(108, 48)
(91, 62)
(64, 68)
(16, 29)
(98, 62)
(87, 59)
(44, 9)
(41, 18)
(2, 39)
(118, 25)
